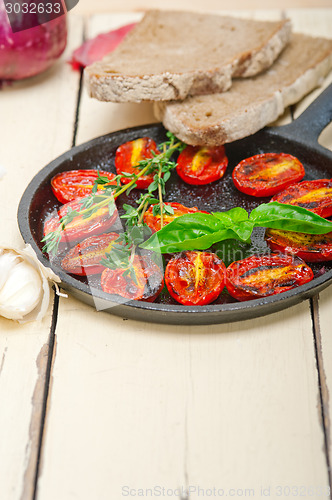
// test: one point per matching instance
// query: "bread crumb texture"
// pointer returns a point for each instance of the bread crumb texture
(251, 103)
(170, 55)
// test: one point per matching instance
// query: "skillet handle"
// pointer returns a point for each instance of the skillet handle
(308, 126)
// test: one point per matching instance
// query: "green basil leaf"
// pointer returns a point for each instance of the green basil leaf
(276, 215)
(243, 230)
(237, 220)
(177, 241)
(205, 222)
(236, 214)
(189, 232)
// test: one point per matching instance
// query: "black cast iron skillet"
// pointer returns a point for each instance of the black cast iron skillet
(298, 138)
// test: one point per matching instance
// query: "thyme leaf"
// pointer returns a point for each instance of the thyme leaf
(160, 165)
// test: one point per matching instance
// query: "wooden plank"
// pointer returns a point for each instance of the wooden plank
(137, 406)
(324, 353)
(258, 423)
(310, 23)
(37, 125)
(121, 395)
(315, 23)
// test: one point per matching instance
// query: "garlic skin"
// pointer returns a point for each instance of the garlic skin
(24, 285)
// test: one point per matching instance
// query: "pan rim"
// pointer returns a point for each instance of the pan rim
(277, 302)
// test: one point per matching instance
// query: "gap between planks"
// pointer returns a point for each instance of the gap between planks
(48, 371)
(79, 93)
(36, 430)
(322, 384)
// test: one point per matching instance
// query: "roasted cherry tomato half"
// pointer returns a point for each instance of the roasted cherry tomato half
(129, 154)
(312, 195)
(261, 276)
(201, 165)
(84, 259)
(67, 186)
(80, 228)
(147, 285)
(195, 278)
(267, 174)
(309, 247)
(153, 221)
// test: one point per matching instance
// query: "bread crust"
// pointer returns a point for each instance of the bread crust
(239, 47)
(253, 103)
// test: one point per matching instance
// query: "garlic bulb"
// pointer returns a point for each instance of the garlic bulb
(24, 285)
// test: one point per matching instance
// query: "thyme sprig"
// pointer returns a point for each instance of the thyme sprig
(104, 194)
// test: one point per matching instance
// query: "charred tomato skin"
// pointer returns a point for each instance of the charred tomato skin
(84, 258)
(261, 276)
(309, 247)
(198, 165)
(195, 278)
(267, 174)
(72, 184)
(129, 154)
(150, 280)
(153, 221)
(315, 196)
(80, 228)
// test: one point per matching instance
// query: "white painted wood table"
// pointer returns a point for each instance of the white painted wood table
(93, 407)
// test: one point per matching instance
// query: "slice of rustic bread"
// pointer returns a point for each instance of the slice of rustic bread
(170, 55)
(251, 103)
